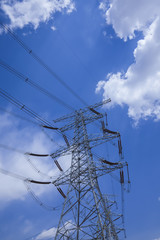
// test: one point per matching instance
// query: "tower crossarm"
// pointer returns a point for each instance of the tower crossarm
(63, 118)
(64, 179)
(88, 119)
(90, 108)
(95, 141)
(103, 169)
(92, 117)
(67, 127)
(97, 105)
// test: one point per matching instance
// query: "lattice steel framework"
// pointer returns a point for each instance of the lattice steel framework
(86, 213)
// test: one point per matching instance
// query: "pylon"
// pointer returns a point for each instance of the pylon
(86, 213)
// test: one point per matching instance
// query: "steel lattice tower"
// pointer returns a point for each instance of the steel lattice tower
(86, 213)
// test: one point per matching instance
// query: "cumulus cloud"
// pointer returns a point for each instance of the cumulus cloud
(27, 139)
(126, 17)
(139, 86)
(34, 12)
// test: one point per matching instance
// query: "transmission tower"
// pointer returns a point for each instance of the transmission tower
(86, 212)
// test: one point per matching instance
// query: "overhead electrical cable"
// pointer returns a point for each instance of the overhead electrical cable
(6, 147)
(25, 153)
(11, 148)
(18, 116)
(34, 167)
(14, 175)
(30, 51)
(27, 156)
(11, 174)
(34, 84)
(41, 62)
(36, 198)
(26, 182)
(31, 113)
(27, 110)
(28, 120)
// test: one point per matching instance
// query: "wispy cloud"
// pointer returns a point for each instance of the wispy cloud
(139, 86)
(33, 12)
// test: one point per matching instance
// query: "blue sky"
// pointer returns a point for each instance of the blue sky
(100, 49)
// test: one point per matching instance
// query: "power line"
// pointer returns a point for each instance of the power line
(41, 62)
(34, 84)
(30, 51)
(30, 112)
(27, 110)
(11, 148)
(30, 191)
(37, 199)
(28, 120)
(11, 174)
(18, 116)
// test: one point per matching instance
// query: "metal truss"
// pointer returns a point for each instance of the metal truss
(86, 213)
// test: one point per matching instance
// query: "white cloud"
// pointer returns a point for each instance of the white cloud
(28, 139)
(45, 234)
(139, 86)
(126, 17)
(53, 28)
(34, 12)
